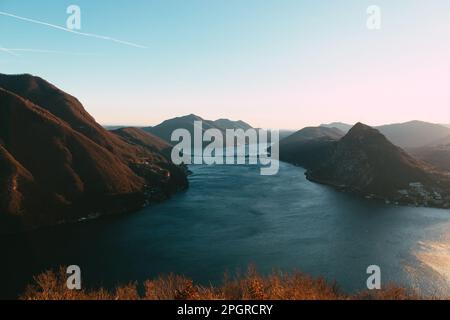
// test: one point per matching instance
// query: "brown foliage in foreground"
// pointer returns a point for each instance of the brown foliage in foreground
(252, 286)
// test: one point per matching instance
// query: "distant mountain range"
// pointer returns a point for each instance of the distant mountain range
(57, 164)
(364, 161)
(166, 128)
(413, 134)
(437, 155)
(286, 133)
(225, 124)
(344, 127)
(425, 141)
(409, 135)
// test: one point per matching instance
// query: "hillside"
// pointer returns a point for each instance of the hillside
(58, 165)
(312, 133)
(160, 152)
(309, 146)
(436, 155)
(365, 162)
(414, 134)
(66, 108)
(139, 137)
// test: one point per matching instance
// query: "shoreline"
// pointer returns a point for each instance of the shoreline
(95, 215)
(368, 196)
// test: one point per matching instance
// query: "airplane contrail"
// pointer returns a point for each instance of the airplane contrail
(91, 35)
(14, 50)
(8, 51)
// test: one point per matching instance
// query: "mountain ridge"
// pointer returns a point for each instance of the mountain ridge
(308, 146)
(165, 129)
(364, 161)
(52, 170)
(410, 134)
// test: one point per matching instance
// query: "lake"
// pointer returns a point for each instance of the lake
(232, 217)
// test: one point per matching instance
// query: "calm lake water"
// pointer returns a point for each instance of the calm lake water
(232, 217)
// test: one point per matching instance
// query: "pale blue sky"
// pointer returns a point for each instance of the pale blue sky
(273, 63)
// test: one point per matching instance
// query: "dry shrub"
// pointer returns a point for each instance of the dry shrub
(171, 287)
(278, 286)
(127, 292)
(250, 286)
(391, 292)
(51, 285)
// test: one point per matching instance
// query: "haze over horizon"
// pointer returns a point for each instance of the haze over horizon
(275, 64)
(124, 125)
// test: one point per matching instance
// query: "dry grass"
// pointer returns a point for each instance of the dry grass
(51, 285)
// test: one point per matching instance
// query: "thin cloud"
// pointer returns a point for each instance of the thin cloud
(90, 35)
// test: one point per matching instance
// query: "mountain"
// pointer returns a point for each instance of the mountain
(229, 124)
(139, 137)
(166, 128)
(58, 165)
(66, 108)
(414, 134)
(312, 133)
(110, 128)
(286, 133)
(147, 141)
(365, 162)
(436, 155)
(440, 142)
(344, 127)
(309, 146)
(160, 152)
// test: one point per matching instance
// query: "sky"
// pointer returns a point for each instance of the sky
(273, 63)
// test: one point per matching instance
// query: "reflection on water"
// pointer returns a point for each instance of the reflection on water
(434, 257)
(232, 217)
(437, 257)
